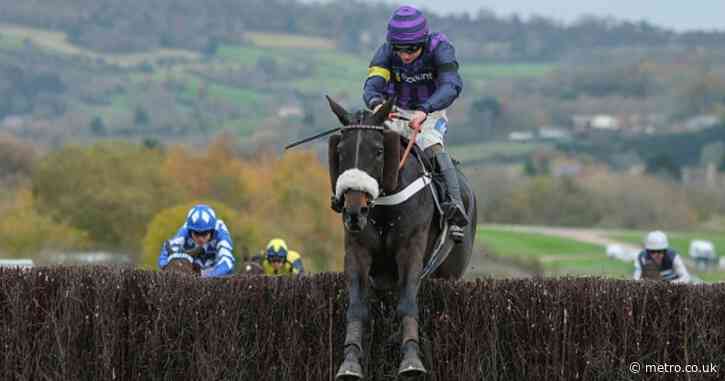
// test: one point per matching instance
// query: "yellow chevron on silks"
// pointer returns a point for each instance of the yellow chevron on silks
(379, 71)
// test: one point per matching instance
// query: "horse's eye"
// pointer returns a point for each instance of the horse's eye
(379, 152)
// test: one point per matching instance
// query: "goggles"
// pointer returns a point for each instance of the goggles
(276, 256)
(406, 48)
(656, 252)
(201, 233)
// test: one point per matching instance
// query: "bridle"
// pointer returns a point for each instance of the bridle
(359, 128)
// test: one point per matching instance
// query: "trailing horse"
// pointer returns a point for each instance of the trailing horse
(181, 261)
(395, 234)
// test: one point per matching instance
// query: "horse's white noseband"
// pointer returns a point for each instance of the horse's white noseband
(355, 179)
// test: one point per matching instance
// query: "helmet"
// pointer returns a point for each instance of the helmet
(201, 218)
(277, 249)
(656, 240)
(407, 26)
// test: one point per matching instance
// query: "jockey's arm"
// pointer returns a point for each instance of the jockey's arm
(449, 81)
(224, 264)
(376, 84)
(679, 267)
(296, 260)
(297, 267)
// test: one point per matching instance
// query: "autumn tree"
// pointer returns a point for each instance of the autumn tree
(111, 190)
(24, 232)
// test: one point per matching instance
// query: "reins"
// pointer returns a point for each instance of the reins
(416, 130)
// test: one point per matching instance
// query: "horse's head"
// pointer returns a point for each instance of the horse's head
(364, 161)
(251, 267)
(182, 265)
(181, 261)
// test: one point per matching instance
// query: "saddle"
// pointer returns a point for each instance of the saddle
(443, 243)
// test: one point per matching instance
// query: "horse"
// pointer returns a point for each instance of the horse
(388, 245)
(181, 261)
(252, 266)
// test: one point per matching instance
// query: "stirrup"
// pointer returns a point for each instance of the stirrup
(457, 233)
(455, 214)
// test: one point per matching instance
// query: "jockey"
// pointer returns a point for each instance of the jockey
(658, 261)
(281, 261)
(204, 231)
(420, 69)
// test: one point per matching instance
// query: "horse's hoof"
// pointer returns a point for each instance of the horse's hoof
(349, 371)
(411, 367)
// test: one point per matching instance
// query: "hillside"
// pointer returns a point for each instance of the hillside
(182, 72)
(273, 82)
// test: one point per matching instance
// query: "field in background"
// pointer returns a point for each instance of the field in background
(550, 255)
(555, 256)
(256, 78)
(54, 41)
(282, 40)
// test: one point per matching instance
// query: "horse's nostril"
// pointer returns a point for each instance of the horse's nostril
(364, 210)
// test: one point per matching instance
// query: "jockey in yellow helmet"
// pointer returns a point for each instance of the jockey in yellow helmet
(281, 261)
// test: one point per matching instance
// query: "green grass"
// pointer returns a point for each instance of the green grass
(283, 40)
(555, 256)
(234, 94)
(245, 55)
(10, 42)
(56, 42)
(510, 243)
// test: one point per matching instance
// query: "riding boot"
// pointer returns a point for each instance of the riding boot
(453, 207)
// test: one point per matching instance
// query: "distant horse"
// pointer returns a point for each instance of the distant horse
(252, 266)
(389, 243)
(181, 261)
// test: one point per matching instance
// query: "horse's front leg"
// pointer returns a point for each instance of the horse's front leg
(410, 265)
(357, 268)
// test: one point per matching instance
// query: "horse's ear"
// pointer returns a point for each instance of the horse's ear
(340, 111)
(333, 159)
(391, 144)
(380, 116)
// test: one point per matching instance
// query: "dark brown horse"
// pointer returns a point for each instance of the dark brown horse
(388, 244)
(252, 266)
(181, 261)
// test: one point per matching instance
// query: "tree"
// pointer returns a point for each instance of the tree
(98, 127)
(16, 158)
(25, 233)
(663, 164)
(110, 189)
